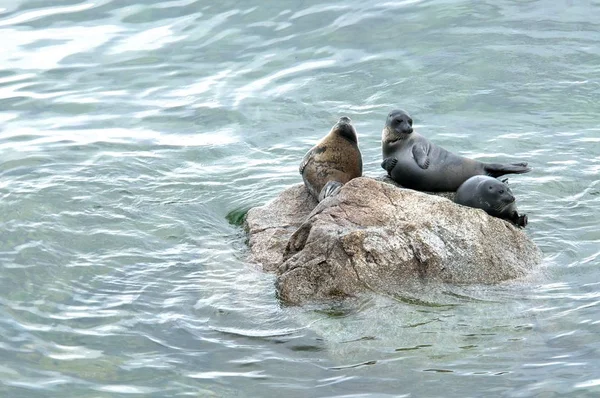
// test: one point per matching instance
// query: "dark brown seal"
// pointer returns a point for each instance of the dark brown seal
(334, 161)
(415, 162)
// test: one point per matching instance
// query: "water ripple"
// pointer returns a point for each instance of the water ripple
(129, 130)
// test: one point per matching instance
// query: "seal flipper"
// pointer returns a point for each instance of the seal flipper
(421, 155)
(389, 164)
(521, 220)
(305, 160)
(497, 170)
(330, 189)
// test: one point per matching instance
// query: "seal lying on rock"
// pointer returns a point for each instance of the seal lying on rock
(415, 162)
(334, 161)
(491, 195)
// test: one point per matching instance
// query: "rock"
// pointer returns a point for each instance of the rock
(375, 236)
(270, 226)
(385, 178)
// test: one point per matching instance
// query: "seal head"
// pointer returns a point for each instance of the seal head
(491, 195)
(399, 124)
(345, 129)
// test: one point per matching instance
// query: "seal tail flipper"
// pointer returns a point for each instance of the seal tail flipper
(388, 164)
(497, 170)
(330, 189)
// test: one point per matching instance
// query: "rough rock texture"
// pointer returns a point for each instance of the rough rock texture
(270, 226)
(375, 236)
(385, 178)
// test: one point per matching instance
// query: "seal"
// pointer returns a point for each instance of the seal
(334, 161)
(491, 195)
(415, 162)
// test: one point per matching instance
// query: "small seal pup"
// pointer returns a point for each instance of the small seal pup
(334, 161)
(493, 196)
(415, 162)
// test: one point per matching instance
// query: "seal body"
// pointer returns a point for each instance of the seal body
(491, 195)
(415, 162)
(334, 161)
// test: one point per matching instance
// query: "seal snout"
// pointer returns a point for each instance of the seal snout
(345, 120)
(507, 197)
(403, 127)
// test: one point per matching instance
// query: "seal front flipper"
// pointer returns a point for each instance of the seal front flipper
(305, 160)
(520, 220)
(421, 155)
(310, 155)
(330, 189)
(389, 164)
(497, 170)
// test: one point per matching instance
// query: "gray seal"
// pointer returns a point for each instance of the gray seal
(491, 195)
(415, 162)
(334, 161)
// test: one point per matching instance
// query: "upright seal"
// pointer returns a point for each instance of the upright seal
(415, 162)
(493, 196)
(334, 161)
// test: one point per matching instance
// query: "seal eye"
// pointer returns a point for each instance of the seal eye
(501, 191)
(490, 187)
(410, 121)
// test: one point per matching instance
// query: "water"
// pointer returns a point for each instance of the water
(130, 130)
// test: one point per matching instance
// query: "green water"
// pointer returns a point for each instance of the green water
(130, 130)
